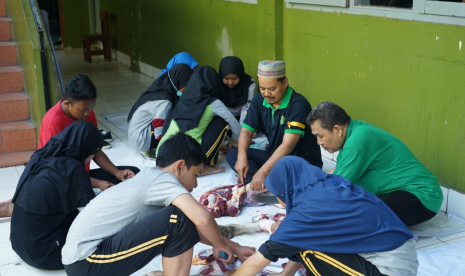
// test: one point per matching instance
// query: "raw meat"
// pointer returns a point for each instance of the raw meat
(216, 267)
(225, 201)
(275, 217)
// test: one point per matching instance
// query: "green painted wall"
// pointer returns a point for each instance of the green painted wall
(154, 31)
(26, 37)
(121, 24)
(392, 73)
(76, 21)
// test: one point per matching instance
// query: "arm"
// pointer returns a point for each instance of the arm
(289, 270)
(289, 142)
(219, 109)
(102, 160)
(252, 265)
(242, 165)
(242, 252)
(206, 225)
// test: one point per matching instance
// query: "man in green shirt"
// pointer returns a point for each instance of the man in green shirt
(377, 161)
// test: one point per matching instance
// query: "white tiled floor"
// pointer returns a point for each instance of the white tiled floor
(118, 88)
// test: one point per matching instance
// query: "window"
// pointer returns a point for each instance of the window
(406, 4)
(437, 11)
(451, 7)
(335, 3)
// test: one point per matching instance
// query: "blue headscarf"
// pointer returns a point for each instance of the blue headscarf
(182, 57)
(327, 213)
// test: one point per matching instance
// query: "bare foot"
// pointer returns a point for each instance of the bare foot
(6, 208)
(212, 170)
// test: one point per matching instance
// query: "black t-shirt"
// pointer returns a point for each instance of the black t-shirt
(289, 117)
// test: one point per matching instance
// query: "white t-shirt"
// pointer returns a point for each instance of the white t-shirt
(117, 208)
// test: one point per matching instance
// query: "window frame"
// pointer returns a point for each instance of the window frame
(333, 3)
(421, 11)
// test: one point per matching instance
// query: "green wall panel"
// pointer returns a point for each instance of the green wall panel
(209, 30)
(76, 21)
(405, 77)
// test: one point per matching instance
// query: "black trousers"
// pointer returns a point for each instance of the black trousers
(328, 264)
(255, 157)
(104, 175)
(168, 232)
(407, 207)
(213, 138)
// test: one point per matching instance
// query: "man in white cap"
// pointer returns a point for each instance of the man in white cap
(280, 113)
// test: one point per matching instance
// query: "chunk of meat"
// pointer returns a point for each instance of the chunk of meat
(216, 267)
(275, 217)
(225, 201)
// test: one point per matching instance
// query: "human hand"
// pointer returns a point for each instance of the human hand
(275, 226)
(124, 174)
(226, 249)
(242, 168)
(243, 252)
(257, 183)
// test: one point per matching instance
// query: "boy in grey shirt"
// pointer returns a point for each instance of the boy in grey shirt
(124, 228)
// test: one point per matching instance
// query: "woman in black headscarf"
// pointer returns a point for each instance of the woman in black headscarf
(237, 88)
(53, 186)
(147, 116)
(201, 115)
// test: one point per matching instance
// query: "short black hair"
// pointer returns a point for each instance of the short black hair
(281, 80)
(329, 114)
(80, 88)
(180, 146)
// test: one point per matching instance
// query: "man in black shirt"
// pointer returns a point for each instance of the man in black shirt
(280, 113)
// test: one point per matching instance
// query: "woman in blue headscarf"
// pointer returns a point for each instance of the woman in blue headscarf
(332, 227)
(182, 57)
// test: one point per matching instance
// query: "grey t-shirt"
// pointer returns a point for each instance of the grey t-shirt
(117, 208)
(140, 125)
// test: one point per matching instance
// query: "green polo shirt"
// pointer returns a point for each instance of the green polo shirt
(380, 163)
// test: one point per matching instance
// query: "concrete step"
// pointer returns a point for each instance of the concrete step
(8, 54)
(5, 29)
(11, 79)
(15, 159)
(17, 137)
(14, 107)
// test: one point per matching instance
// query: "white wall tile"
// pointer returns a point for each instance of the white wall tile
(119, 56)
(143, 67)
(445, 193)
(326, 154)
(456, 204)
(152, 71)
(156, 72)
(327, 164)
(127, 60)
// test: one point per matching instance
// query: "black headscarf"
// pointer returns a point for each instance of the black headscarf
(162, 88)
(203, 85)
(55, 179)
(238, 95)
